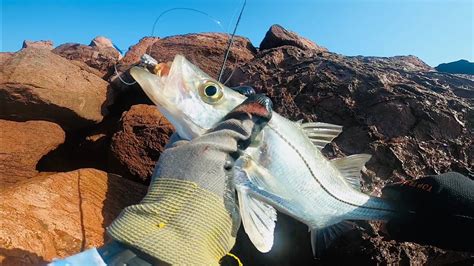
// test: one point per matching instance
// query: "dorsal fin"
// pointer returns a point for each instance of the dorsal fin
(351, 166)
(321, 134)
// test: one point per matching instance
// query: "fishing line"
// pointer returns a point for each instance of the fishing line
(160, 16)
(231, 41)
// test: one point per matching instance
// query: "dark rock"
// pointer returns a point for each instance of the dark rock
(139, 142)
(278, 36)
(36, 84)
(55, 216)
(457, 67)
(22, 146)
(38, 44)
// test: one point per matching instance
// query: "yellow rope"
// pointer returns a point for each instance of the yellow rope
(236, 258)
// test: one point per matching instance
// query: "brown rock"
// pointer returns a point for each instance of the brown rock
(100, 54)
(122, 80)
(139, 142)
(56, 216)
(278, 36)
(135, 52)
(36, 84)
(4, 56)
(406, 63)
(22, 144)
(413, 121)
(38, 44)
(206, 50)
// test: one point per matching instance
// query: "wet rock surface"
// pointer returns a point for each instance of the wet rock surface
(22, 145)
(60, 214)
(413, 120)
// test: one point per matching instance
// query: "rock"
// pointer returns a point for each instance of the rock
(4, 56)
(59, 215)
(125, 82)
(278, 36)
(206, 50)
(102, 42)
(414, 122)
(457, 67)
(38, 44)
(135, 52)
(22, 146)
(137, 145)
(36, 84)
(100, 54)
(406, 63)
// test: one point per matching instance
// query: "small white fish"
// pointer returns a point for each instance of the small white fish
(284, 169)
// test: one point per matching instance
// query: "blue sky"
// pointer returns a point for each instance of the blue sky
(437, 31)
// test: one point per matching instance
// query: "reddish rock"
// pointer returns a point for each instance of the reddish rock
(406, 63)
(4, 56)
(139, 142)
(100, 54)
(36, 84)
(414, 122)
(206, 50)
(56, 216)
(48, 45)
(22, 144)
(122, 79)
(135, 52)
(278, 36)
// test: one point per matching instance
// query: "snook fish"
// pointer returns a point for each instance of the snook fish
(284, 169)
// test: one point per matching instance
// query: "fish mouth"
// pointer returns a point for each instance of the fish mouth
(155, 87)
(152, 84)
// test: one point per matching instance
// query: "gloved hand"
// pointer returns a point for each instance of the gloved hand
(443, 207)
(189, 215)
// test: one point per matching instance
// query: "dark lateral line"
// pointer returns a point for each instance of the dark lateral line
(315, 178)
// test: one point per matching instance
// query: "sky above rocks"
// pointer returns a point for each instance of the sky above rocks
(437, 31)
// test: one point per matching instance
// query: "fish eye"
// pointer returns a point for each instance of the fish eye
(211, 92)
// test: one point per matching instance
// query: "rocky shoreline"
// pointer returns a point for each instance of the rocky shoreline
(77, 144)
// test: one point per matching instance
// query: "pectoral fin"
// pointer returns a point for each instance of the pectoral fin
(258, 218)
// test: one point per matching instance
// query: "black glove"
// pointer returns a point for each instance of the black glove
(442, 208)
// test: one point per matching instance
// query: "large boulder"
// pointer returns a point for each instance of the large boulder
(135, 52)
(100, 54)
(59, 215)
(138, 143)
(36, 84)
(22, 145)
(412, 120)
(278, 36)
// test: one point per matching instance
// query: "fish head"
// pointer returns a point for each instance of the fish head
(189, 98)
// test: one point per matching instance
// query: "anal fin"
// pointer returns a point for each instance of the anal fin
(321, 239)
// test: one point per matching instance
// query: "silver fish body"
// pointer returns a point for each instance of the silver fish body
(314, 188)
(284, 169)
